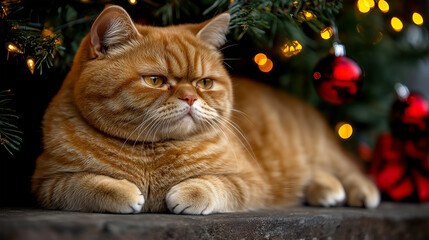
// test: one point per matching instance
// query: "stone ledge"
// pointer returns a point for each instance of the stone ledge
(389, 221)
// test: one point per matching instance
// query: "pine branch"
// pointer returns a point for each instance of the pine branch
(31, 39)
(257, 17)
(10, 135)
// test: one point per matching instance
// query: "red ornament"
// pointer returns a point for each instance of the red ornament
(337, 78)
(409, 118)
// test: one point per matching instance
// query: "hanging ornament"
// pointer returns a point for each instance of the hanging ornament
(409, 118)
(337, 78)
(400, 165)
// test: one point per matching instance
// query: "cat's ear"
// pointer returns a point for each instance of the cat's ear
(112, 28)
(214, 30)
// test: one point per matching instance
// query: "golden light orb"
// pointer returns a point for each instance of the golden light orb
(260, 59)
(267, 67)
(326, 33)
(417, 19)
(345, 130)
(291, 48)
(363, 6)
(397, 24)
(383, 6)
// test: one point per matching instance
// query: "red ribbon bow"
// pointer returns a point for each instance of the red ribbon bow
(401, 169)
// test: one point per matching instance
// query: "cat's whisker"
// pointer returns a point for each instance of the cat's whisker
(237, 129)
(213, 121)
(228, 46)
(146, 117)
(228, 65)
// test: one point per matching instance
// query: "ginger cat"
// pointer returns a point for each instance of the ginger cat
(148, 120)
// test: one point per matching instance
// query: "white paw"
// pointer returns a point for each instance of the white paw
(132, 199)
(363, 195)
(333, 198)
(188, 198)
(325, 190)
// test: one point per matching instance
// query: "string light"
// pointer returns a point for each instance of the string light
(417, 18)
(383, 6)
(132, 2)
(31, 65)
(291, 48)
(13, 48)
(326, 33)
(396, 24)
(267, 67)
(308, 15)
(260, 59)
(344, 130)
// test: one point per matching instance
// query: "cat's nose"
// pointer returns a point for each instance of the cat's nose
(189, 98)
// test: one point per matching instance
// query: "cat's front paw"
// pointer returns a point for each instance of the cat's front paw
(325, 190)
(364, 194)
(190, 197)
(125, 197)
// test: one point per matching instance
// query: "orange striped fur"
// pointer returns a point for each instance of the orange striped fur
(115, 143)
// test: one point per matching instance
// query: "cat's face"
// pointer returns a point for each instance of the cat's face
(151, 84)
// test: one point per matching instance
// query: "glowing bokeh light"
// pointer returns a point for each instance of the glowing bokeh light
(291, 48)
(308, 15)
(260, 59)
(132, 2)
(267, 67)
(417, 19)
(383, 6)
(326, 33)
(345, 130)
(397, 24)
(363, 6)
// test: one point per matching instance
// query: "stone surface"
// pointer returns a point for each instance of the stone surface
(389, 221)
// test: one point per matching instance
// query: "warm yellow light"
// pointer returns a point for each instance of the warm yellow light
(345, 130)
(363, 6)
(132, 2)
(291, 48)
(383, 6)
(417, 19)
(12, 48)
(308, 15)
(370, 3)
(31, 65)
(326, 33)
(260, 59)
(396, 24)
(268, 66)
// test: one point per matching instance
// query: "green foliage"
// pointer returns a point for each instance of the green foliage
(29, 37)
(285, 16)
(10, 135)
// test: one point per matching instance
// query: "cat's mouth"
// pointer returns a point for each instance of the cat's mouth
(185, 116)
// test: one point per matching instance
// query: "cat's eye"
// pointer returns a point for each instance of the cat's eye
(205, 83)
(153, 81)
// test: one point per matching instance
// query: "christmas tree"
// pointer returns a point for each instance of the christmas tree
(277, 42)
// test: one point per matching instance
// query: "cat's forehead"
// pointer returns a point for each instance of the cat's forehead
(177, 52)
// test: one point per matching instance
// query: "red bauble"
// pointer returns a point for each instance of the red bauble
(409, 118)
(338, 79)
